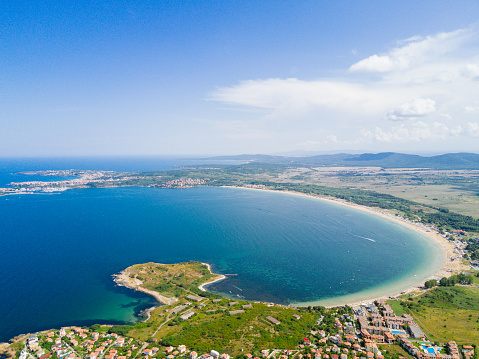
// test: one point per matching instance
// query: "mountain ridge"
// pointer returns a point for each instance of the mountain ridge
(452, 161)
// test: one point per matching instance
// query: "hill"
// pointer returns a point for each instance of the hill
(451, 161)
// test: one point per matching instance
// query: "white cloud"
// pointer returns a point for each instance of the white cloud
(293, 95)
(415, 132)
(332, 139)
(415, 52)
(431, 79)
(377, 63)
(471, 71)
(473, 129)
(415, 108)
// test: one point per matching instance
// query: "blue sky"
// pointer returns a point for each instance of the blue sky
(232, 77)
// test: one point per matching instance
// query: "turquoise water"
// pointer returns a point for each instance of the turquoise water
(60, 250)
(431, 350)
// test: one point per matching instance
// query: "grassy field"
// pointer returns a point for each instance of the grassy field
(394, 350)
(213, 327)
(249, 330)
(447, 313)
(429, 187)
(443, 325)
(396, 307)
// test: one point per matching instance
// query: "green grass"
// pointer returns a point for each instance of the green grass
(443, 325)
(249, 330)
(204, 331)
(393, 351)
(397, 307)
(451, 298)
(448, 313)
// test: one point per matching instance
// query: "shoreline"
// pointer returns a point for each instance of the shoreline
(123, 279)
(447, 269)
(220, 278)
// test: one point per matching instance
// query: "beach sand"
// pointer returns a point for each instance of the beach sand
(220, 278)
(448, 268)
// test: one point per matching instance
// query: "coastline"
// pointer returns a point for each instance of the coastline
(383, 292)
(220, 278)
(123, 279)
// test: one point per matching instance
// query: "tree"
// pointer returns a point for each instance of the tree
(444, 282)
(430, 283)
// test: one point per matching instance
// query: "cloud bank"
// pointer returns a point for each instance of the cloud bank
(430, 85)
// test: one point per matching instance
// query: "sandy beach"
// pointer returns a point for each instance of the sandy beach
(448, 268)
(220, 278)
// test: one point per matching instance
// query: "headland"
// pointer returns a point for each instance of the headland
(168, 283)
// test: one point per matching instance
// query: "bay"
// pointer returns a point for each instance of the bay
(60, 250)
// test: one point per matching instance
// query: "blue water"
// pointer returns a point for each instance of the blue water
(60, 250)
(431, 350)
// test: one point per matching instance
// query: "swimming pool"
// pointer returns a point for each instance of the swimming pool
(398, 332)
(431, 350)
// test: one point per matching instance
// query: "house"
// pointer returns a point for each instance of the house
(273, 320)
(119, 342)
(147, 352)
(388, 337)
(187, 315)
(195, 298)
(416, 332)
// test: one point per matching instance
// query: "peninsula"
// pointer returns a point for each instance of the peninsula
(168, 283)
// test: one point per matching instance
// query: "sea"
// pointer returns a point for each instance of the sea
(60, 250)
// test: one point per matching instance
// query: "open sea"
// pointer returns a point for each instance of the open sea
(58, 251)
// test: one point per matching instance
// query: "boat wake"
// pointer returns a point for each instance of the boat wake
(369, 239)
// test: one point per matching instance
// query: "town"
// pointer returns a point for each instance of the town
(369, 331)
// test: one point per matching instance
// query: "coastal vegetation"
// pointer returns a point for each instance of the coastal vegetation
(171, 280)
(446, 313)
(215, 327)
(202, 320)
(460, 278)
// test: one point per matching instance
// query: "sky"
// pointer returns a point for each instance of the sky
(114, 78)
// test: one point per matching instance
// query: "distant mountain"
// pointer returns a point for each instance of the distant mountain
(453, 161)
